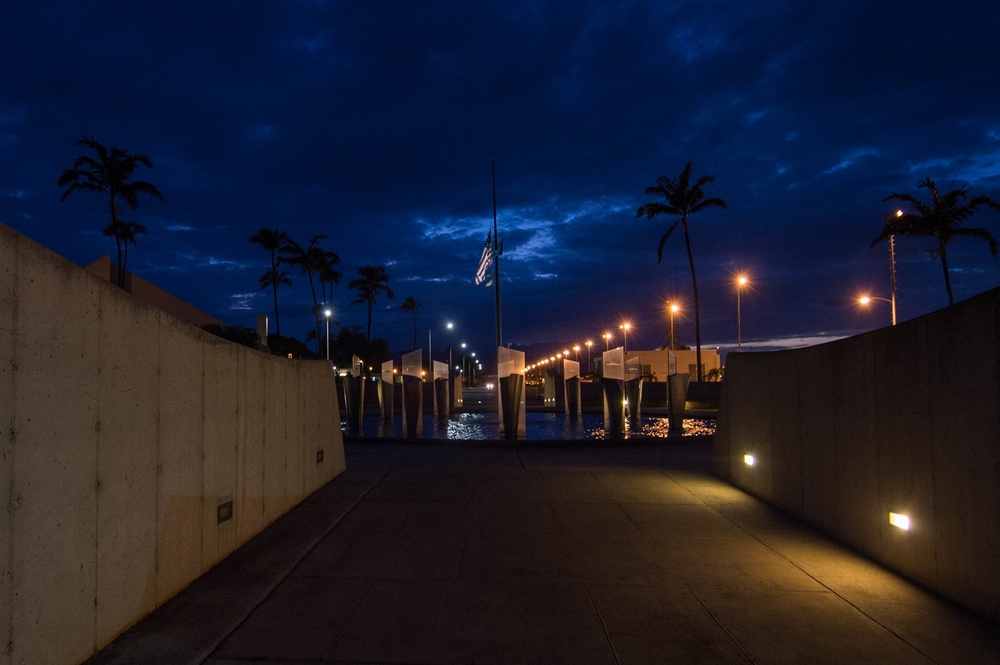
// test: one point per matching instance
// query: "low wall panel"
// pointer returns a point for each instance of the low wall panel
(181, 434)
(786, 460)
(250, 479)
(817, 391)
(855, 481)
(275, 440)
(218, 536)
(967, 474)
(914, 412)
(295, 384)
(126, 503)
(8, 279)
(106, 417)
(905, 446)
(55, 407)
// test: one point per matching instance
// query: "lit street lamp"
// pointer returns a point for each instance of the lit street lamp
(589, 365)
(430, 355)
(625, 328)
(672, 309)
(607, 340)
(866, 300)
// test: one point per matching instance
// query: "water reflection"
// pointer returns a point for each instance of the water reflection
(539, 426)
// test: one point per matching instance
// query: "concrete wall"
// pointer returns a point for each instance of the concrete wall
(122, 430)
(903, 419)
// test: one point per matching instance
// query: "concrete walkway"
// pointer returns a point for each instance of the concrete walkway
(449, 553)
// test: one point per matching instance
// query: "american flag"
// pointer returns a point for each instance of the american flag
(486, 260)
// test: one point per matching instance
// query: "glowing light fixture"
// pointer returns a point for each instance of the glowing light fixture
(749, 460)
(899, 521)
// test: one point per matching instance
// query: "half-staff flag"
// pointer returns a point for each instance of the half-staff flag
(486, 260)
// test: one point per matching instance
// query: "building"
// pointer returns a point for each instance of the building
(150, 294)
(658, 364)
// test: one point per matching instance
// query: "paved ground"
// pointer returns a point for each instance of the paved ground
(446, 553)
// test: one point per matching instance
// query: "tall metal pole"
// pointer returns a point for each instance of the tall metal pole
(739, 329)
(892, 273)
(496, 255)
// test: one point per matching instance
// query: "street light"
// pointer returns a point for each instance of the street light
(625, 328)
(607, 340)
(892, 268)
(671, 310)
(576, 352)
(741, 281)
(866, 300)
(589, 365)
(430, 355)
(328, 313)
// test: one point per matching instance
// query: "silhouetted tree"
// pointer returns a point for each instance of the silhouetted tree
(942, 219)
(683, 199)
(311, 259)
(110, 173)
(411, 305)
(273, 240)
(372, 283)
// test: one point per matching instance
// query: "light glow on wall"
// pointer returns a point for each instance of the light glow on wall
(749, 460)
(899, 521)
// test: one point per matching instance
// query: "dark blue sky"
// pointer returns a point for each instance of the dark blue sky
(375, 122)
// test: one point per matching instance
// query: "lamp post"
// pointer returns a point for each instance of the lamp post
(625, 328)
(866, 300)
(589, 365)
(892, 268)
(430, 354)
(576, 352)
(328, 313)
(741, 281)
(671, 310)
(607, 340)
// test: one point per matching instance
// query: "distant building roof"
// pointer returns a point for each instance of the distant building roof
(104, 269)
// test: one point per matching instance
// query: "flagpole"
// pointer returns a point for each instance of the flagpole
(496, 255)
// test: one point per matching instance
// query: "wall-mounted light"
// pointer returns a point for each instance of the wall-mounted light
(899, 521)
(749, 460)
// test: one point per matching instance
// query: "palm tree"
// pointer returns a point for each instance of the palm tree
(942, 219)
(273, 240)
(110, 173)
(311, 259)
(682, 198)
(372, 283)
(327, 275)
(127, 232)
(411, 305)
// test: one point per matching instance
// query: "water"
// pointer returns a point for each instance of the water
(539, 427)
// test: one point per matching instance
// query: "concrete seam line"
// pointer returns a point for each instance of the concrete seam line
(335, 640)
(833, 591)
(269, 591)
(604, 625)
(725, 630)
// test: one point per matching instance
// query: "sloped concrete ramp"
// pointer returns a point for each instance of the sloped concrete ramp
(488, 553)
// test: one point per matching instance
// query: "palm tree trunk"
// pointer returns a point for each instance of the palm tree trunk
(277, 323)
(274, 287)
(697, 309)
(944, 264)
(118, 242)
(312, 288)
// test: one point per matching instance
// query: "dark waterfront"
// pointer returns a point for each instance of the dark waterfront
(540, 427)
